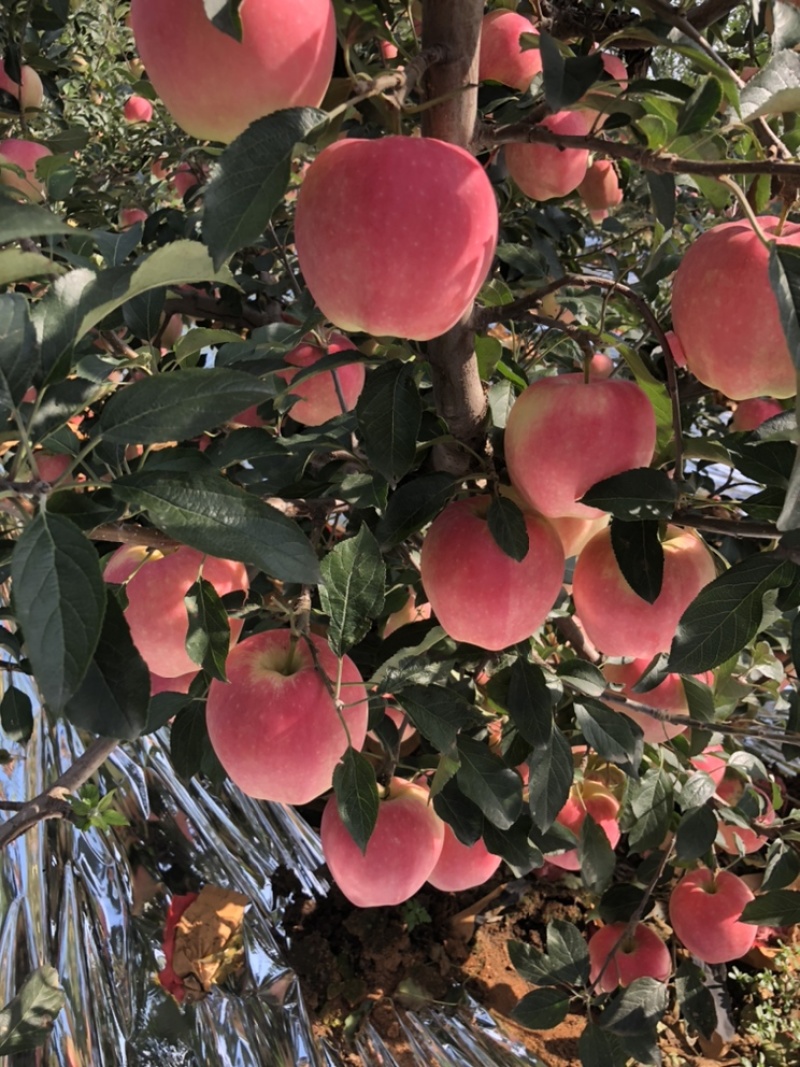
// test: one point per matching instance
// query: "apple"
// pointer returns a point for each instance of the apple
(462, 866)
(274, 725)
(619, 621)
(407, 614)
(156, 585)
(704, 910)
(750, 414)
(186, 177)
(576, 533)
(601, 366)
(638, 954)
(502, 59)
(544, 171)
(616, 69)
(612, 428)
(129, 216)
(600, 190)
(215, 86)
(725, 315)
(731, 837)
(29, 91)
(478, 593)
(52, 465)
(318, 399)
(401, 853)
(710, 763)
(587, 798)
(137, 109)
(171, 685)
(171, 332)
(395, 236)
(668, 695)
(25, 155)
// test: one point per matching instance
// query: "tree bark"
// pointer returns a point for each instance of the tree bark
(458, 392)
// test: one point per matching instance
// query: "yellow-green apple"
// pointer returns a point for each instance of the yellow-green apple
(407, 614)
(638, 954)
(704, 911)
(751, 413)
(620, 622)
(395, 236)
(156, 585)
(29, 91)
(587, 798)
(25, 155)
(400, 856)
(600, 190)
(477, 592)
(612, 428)
(725, 315)
(544, 171)
(461, 866)
(274, 725)
(215, 86)
(318, 398)
(576, 533)
(502, 58)
(669, 695)
(137, 109)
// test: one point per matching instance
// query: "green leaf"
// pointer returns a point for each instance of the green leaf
(437, 712)
(250, 179)
(25, 220)
(27, 1020)
(389, 413)
(596, 856)
(636, 1009)
(203, 510)
(19, 266)
(639, 555)
(486, 780)
(19, 352)
(662, 195)
(507, 527)
(530, 703)
(224, 14)
(209, 635)
(651, 802)
(775, 89)
(461, 815)
(352, 589)
(178, 405)
(598, 1048)
(356, 796)
(727, 613)
(789, 518)
(696, 833)
(514, 845)
(413, 506)
(700, 108)
(542, 1009)
(551, 773)
(532, 964)
(636, 494)
(583, 677)
(784, 277)
(113, 698)
(59, 599)
(16, 715)
(695, 1000)
(189, 745)
(568, 952)
(565, 80)
(612, 735)
(778, 907)
(783, 865)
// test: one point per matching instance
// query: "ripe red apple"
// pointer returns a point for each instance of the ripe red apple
(612, 429)
(395, 236)
(401, 854)
(186, 177)
(576, 533)
(601, 365)
(704, 910)
(668, 695)
(156, 612)
(501, 57)
(318, 398)
(274, 725)
(731, 837)
(640, 954)
(725, 314)
(129, 216)
(171, 685)
(29, 90)
(619, 621)
(600, 190)
(137, 109)
(751, 413)
(25, 155)
(214, 86)
(544, 171)
(477, 592)
(460, 866)
(52, 465)
(587, 798)
(710, 763)
(616, 69)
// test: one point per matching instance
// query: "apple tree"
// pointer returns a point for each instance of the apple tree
(398, 411)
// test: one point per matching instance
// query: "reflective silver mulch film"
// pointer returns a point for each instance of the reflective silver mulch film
(88, 904)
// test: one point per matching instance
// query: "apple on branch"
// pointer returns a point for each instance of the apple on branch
(618, 956)
(704, 910)
(544, 171)
(502, 57)
(25, 155)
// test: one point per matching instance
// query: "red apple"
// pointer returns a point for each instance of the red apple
(462, 866)
(601, 365)
(401, 854)
(318, 398)
(478, 593)
(616, 69)
(156, 612)
(395, 236)
(668, 695)
(501, 57)
(407, 614)
(587, 798)
(129, 216)
(704, 910)
(725, 314)
(619, 621)
(52, 465)
(751, 413)
(710, 763)
(576, 533)
(638, 954)
(186, 177)
(612, 429)
(171, 685)
(274, 724)
(29, 92)
(137, 109)
(214, 86)
(600, 190)
(25, 155)
(544, 171)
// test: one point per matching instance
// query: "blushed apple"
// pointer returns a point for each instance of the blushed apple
(502, 59)
(600, 190)
(638, 954)
(29, 91)
(576, 533)
(137, 109)
(704, 911)
(711, 763)
(544, 171)
(750, 414)
(395, 236)
(587, 798)
(460, 866)
(129, 216)
(318, 398)
(25, 155)
(669, 695)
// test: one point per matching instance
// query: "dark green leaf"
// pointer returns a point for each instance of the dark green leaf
(542, 1009)
(639, 555)
(507, 527)
(486, 780)
(209, 635)
(696, 832)
(598, 1048)
(583, 677)
(59, 600)
(356, 796)
(620, 902)
(531, 964)
(695, 1000)
(699, 788)
(142, 315)
(514, 845)
(651, 803)
(596, 856)
(783, 865)
(208, 513)
(699, 699)
(789, 518)
(662, 194)
(530, 703)
(24, 220)
(188, 740)
(700, 108)
(784, 276)
(250, 179)
(636, 1009)
(568, 952)
(352, 589)
(27, 1020)
(727, 613)
(16, 715)
(566, 79)
(113, 697)
(612, 735)
(551, 773)
(461, 815)
(389, 413)
(437, 712)
(779, 907)
(179, 405)
(413, 506)
(636, 494)
(224, 14)
(19, 352)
